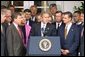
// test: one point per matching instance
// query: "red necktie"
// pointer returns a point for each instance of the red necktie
(19, 31)
(21, 34)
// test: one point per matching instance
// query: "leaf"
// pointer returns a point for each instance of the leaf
(80, 8)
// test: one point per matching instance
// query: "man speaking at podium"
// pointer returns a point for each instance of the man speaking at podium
(44, 28)
(43, 41)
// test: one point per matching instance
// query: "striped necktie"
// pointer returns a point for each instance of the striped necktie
(21, 35)
(65, 32)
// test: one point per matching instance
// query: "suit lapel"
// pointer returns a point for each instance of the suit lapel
(15, 30)
(47, 26)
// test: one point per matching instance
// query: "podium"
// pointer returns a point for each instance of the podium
(44, 46)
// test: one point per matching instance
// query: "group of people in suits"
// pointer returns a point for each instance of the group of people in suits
(69, 36)
(44, 27)
(15, 36)
(63, 25)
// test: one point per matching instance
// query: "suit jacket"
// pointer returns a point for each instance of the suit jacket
(36, 30)
(57, 30)
(72, 40)
(31, 22)
(14, 42)
(3, 43)
(5, 24)
(80, 27)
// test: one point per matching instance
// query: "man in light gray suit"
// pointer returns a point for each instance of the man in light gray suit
(15, 37)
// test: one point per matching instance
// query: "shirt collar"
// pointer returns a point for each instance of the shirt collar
(79, 23)
(59, 23)
(68, 25)
(42, 24)
(15, 25)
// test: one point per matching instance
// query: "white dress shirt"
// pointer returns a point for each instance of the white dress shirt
(33, 18)
(27, 22)
(57, 24)
(42, 26)
(78, 23)
(15, 25)
(9, 24)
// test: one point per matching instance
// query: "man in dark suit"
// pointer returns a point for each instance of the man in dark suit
(27, 14)
(79, 21)
(82, 35)
(3, 42)
(44, 28)
(69, 35)
(15, 37)
(58, 21)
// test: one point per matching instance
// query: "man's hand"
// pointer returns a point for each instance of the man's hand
(64, 52)
(67, 51)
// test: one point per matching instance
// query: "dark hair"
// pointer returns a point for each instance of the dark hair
(16, 14)
(11, 6)
(59, 12)
(3, 7)
(78, 12)
(27, 10)
(68, 13)
(52, 5)
(82, 12)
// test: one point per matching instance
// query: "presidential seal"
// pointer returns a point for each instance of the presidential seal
(45, 44)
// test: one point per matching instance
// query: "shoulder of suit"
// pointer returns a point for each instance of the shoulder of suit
(36, 24)
(11, 26)
(74, 26)
(51, 25)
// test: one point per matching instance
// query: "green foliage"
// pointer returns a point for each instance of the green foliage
(80, 8)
